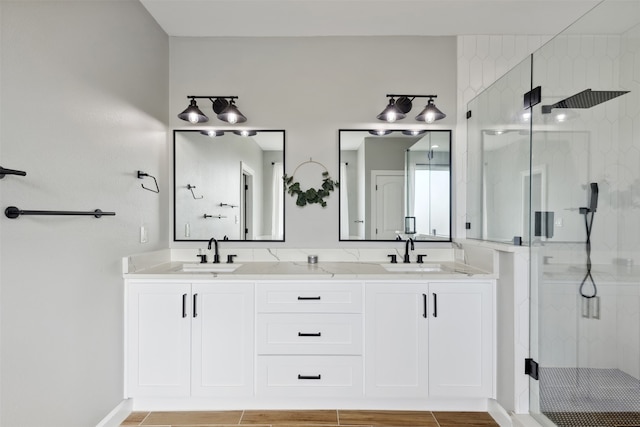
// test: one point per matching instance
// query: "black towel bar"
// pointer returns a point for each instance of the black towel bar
(4, 172)
(13, 212)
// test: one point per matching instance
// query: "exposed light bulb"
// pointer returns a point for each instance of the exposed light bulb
(429, 117)
(233, 118)
(391, 117)
(193, 117)
(245, 133)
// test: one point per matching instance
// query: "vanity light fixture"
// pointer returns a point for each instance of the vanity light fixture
(398, 109)
(431, 113)
(192, 113)
(224, 107)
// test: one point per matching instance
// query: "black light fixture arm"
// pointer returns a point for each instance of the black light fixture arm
(411, 96)
(4, 172)
(211, 98)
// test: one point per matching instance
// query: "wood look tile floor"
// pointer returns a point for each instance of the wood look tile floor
(302, 418)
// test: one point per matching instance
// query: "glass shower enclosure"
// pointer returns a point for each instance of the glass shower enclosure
(554, 163)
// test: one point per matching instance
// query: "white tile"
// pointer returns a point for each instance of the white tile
(482, 46)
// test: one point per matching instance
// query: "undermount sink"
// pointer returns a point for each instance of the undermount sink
(415, 268)
(209, 268)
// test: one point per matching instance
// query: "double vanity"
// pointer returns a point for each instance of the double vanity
(273, 331)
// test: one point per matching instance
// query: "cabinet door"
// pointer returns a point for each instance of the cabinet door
(158, 339)
(461, 339)
(395, 340)
(222, 335)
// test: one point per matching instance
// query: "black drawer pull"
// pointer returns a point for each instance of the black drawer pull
(184, 305)
(195, 305)
(424, 305)
(309, 377)
(309, 298)
(435, 305)
(305, 334)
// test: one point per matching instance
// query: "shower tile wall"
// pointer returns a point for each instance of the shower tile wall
(482, 59)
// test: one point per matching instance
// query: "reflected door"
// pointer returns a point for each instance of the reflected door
(387, 205)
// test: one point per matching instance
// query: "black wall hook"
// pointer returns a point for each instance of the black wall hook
(141, 175)
(191, 187)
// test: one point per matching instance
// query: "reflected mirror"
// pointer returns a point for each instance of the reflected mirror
(396, 184)
(228, 185)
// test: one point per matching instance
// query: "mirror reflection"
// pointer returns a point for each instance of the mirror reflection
(395, 184)
(228, 185)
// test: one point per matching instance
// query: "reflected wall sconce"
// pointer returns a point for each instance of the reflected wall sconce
(380, 132)
(244, 132)
(212, 133)
(397, 109)
(224, 107)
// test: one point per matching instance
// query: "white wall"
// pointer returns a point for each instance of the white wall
(311, 87)
(84, 106)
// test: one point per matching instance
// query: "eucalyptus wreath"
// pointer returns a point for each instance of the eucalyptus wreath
(312, 195)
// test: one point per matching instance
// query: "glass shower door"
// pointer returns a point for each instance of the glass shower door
(585, 243)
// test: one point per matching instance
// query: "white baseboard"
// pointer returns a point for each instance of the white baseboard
(524, 420)
(117, 415)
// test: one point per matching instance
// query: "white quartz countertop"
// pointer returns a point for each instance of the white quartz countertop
(291, 270)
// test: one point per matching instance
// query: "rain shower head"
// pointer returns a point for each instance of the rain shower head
(586, 99)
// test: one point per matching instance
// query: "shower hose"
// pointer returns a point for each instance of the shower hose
(588, 223)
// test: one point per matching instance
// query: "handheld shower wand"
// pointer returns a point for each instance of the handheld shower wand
(588, 223)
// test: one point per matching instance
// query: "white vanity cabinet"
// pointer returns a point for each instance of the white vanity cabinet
(309, 343)
(461, 339)
(396, 340)
(309, 339)
(189, 339)
(429, 340)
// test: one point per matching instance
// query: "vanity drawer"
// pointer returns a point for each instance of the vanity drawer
(310, 376)
(309, 334)
(309, 298)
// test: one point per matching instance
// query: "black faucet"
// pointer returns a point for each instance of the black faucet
(216, 256)
(406, 259)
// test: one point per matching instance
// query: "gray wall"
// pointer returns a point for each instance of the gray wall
(313, 86)
(84, 100)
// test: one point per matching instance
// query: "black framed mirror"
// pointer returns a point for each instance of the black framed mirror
(228, 185)
(395, 184)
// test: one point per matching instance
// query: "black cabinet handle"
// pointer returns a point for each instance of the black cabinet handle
(424, 305)
(435, 305)
(309, 377)
(184, 305)
(309, 298)
(195, 305)
(304, 334)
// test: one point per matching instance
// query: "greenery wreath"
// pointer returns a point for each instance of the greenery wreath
(312, 195)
